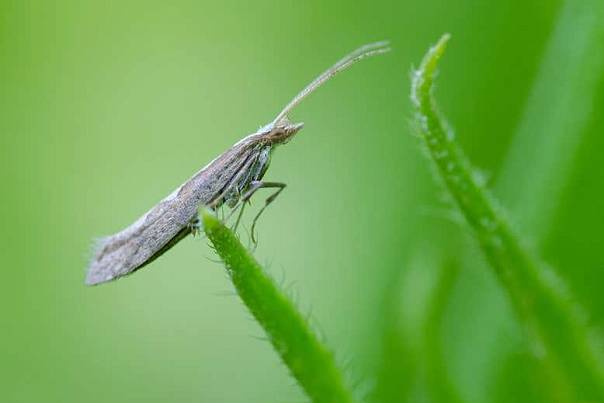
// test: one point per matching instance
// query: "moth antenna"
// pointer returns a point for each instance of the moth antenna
(368, 50)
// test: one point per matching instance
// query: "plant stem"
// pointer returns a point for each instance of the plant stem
(553, 322)
(308, 360)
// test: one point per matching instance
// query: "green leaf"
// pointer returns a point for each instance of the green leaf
(414, 366)
(557, 114)
(554, 323)
(308, 360)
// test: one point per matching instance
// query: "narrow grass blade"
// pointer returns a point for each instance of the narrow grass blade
(556, 115)
(308, 360)
(554, 323)
(442, 386)
(414, 366)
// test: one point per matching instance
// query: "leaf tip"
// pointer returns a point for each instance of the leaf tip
(439, 48)
(434, 54)
(209, 220)
(424, 75)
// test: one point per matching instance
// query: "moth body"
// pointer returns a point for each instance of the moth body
(222, 181)
(229, 179)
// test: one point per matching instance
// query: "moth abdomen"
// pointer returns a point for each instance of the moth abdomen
(130, 249)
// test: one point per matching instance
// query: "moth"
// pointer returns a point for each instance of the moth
(230, 179)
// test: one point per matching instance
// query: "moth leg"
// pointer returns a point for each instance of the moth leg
(235, 203)
(241, 206)
(255, 186)
(195, 225)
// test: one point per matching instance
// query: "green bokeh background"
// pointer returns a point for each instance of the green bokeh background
(106, 107)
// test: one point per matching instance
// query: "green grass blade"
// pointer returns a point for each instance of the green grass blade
(553, 321)
(441, 384)
(556, 115)
(414, 366)
(309, 361)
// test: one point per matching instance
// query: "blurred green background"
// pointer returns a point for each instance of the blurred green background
(106, 107)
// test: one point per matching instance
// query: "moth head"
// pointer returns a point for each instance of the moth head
(283, 131)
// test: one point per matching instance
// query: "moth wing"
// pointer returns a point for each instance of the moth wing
(126, 251)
